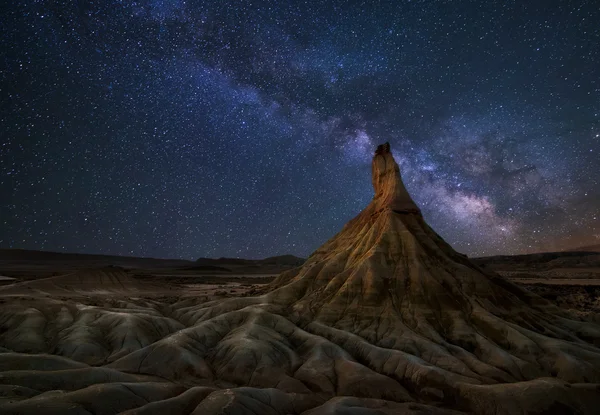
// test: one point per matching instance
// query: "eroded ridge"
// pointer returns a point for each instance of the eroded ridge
(385, 317)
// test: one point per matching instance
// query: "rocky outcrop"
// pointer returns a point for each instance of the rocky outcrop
(387, 183)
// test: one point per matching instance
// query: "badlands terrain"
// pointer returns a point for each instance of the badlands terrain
(384, 318)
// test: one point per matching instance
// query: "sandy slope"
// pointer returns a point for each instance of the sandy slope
(384, 318)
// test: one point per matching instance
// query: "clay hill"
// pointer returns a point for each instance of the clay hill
(384, 318)
(106, 281)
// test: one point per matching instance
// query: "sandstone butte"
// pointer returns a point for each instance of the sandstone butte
(384, 318)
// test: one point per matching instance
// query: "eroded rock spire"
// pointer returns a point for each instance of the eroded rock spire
(387, 182)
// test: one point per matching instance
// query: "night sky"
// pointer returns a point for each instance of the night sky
(246, 128)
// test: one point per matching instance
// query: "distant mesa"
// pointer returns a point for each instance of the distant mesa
(271, 265)
(207, 268)
(587, 248)
(284, 260)
(71, 262)
(275, 260)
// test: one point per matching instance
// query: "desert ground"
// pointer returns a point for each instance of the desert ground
(113, 307)
(571, 279)
(384, 318)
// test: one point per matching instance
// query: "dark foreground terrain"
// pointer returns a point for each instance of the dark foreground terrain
(86, 334)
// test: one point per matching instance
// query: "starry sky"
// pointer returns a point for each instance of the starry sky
(216, 128)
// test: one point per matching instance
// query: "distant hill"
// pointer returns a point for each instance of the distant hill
(587, 248)
(544, 260)
(29, 256)
(275, 264)
(283, 260)
(22, 262)
(572, 265)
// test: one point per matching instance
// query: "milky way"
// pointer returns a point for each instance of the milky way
(213, 128)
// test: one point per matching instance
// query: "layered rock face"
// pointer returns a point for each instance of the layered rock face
(389, 189)
(384, 318)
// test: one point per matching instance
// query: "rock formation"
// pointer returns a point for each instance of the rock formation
(104, 280)
(384, 318)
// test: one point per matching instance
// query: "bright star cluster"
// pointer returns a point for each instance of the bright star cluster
(190, 128)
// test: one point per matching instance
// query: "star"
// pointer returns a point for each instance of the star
(185, 129)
